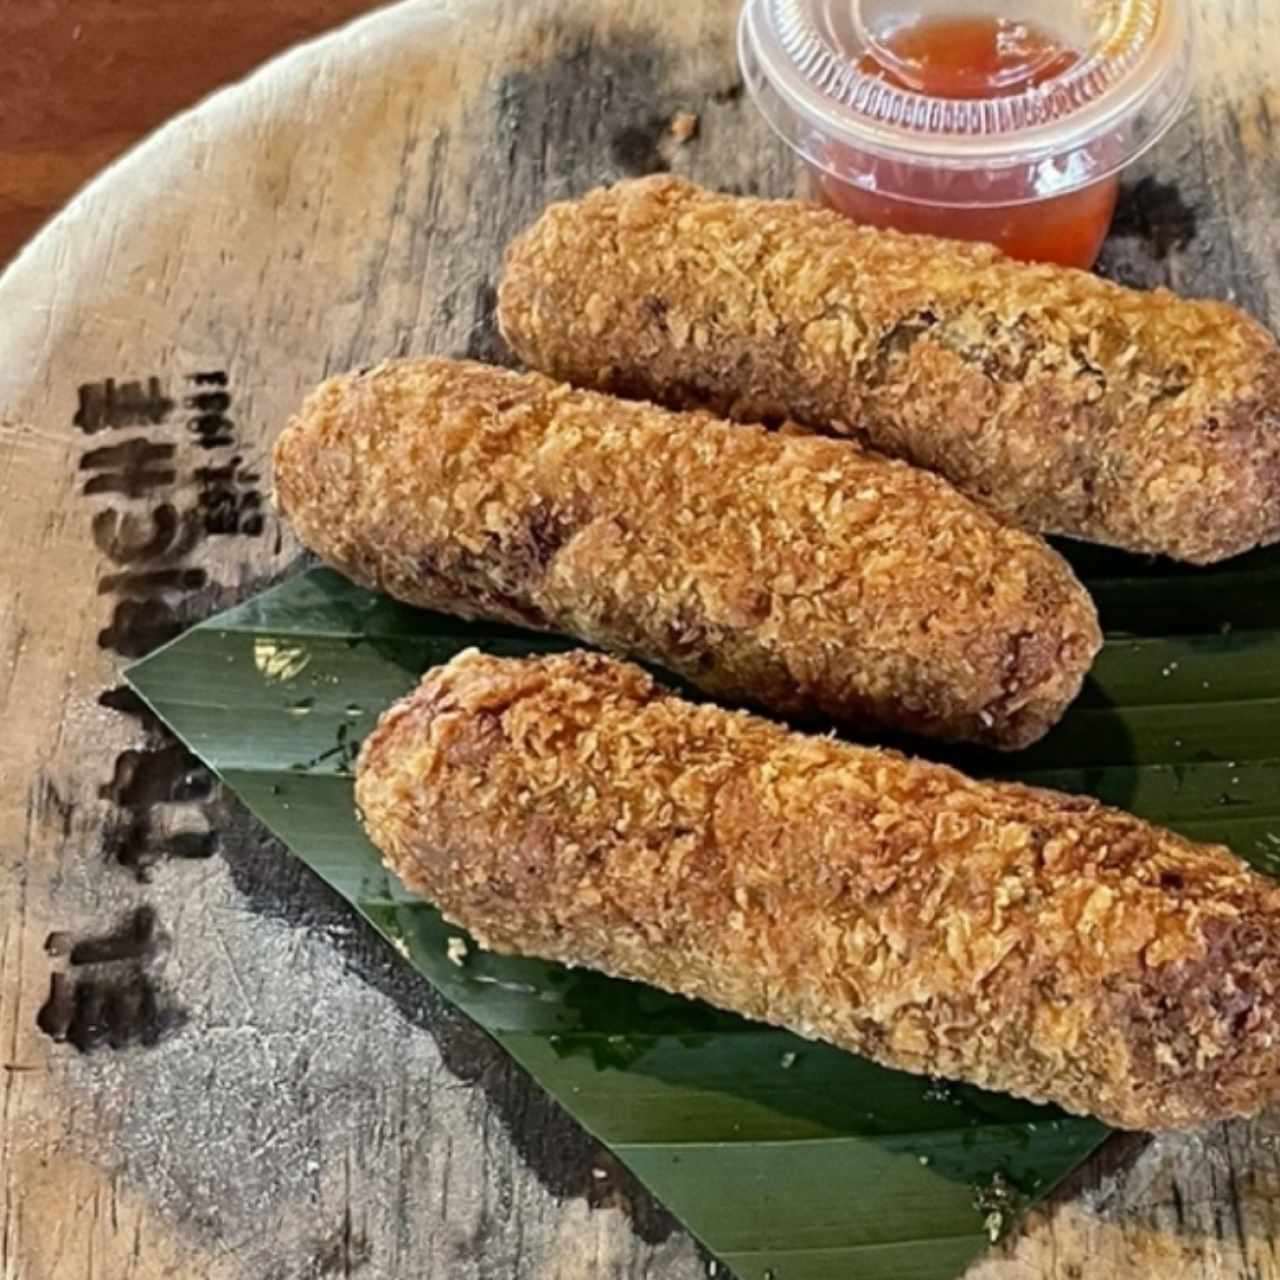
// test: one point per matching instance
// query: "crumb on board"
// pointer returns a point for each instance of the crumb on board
(684, 125)
(456, 950)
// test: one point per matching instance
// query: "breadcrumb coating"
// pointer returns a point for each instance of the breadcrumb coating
(798, 573)
(1022, 940)
(1074, 405)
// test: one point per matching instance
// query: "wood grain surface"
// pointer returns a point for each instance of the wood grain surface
(207, 1067)
(85, 79)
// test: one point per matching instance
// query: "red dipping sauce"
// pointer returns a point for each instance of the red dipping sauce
(1010, 129)
(971, 58)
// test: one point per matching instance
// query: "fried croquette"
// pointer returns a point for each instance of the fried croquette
(800, 574)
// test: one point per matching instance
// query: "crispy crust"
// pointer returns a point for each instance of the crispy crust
(794, 572)
(1026, 941)
(1078, 407)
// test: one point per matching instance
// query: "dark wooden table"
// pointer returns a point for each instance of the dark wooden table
(85, 79)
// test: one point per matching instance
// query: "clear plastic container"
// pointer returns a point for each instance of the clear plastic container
(1000, 120)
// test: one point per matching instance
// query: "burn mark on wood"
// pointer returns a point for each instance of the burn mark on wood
(636, 148)
(1153, 221)
(623, 86)
(54, 1017)
(149, 580)
(133, 939)
(144, 781)
(139, 626)
(160, 534)
(124, 700)
(116, 1005)
(212, 430)
(629, 87)
(1155, 213)
(229, 500)
(125, 404)
(132, 469)
(209, 422)
(170, 773)
(108, 1012)
(484, 342)
(150, 785)
(209, 401)
(190, 846)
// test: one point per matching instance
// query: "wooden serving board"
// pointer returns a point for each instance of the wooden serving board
(207, 1068)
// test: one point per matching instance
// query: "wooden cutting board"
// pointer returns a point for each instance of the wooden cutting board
(207, 1068)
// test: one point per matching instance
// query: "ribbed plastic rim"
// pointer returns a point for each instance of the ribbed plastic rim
(1108, 88)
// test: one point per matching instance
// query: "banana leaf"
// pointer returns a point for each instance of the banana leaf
(788, 1159)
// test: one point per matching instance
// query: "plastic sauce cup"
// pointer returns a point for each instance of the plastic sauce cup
(1007, 121)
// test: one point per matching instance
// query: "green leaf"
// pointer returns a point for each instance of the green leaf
(786, 1158)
